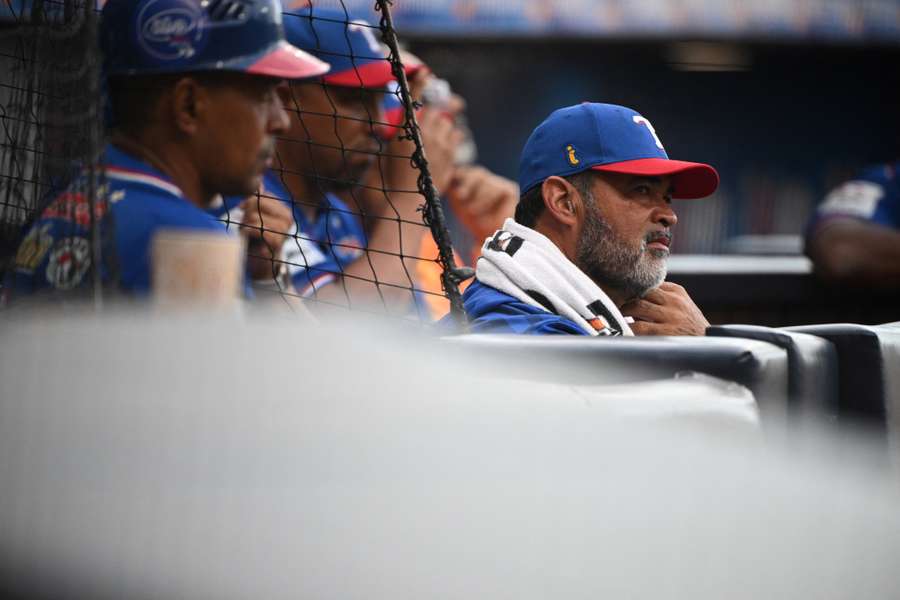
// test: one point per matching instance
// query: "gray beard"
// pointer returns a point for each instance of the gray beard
(610, 261)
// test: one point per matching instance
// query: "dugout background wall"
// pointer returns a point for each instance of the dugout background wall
(781, 122)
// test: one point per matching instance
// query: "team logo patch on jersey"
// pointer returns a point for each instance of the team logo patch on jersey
(171, 29)
(69, 261)
(33, 249)
(570, 154)
(74, 206)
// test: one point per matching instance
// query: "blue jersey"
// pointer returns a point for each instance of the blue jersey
(135, 201)
(492, 311)
(318, 250)
(874, 196)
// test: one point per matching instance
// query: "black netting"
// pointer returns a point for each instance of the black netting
(367, 230)
(50, 127)
(354, 153)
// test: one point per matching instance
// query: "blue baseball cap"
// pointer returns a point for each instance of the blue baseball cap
(173, 36)
(348, 44)
(607, 137)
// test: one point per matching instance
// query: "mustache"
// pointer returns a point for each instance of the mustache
(659, 236)
(267, 151)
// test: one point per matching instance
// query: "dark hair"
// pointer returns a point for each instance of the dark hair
(531, 203)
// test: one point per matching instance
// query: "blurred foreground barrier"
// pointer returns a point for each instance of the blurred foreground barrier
(196, 457)
(868, 370)
(812, 366)
(760, 366)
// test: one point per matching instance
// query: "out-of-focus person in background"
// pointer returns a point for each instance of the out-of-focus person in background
(195, 114)
(479, 200)
(586, 253)
(854, 235)
(343, 252)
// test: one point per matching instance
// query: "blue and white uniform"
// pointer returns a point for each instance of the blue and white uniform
(318, 251)
(873, 196)
(137, 200)
(491, 311)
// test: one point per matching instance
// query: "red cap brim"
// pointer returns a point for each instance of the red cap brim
(393, 120)
(373, 75)
(288, 62)
(690, 180)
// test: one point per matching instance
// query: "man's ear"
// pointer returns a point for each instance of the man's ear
(188, 101)
(561, 200)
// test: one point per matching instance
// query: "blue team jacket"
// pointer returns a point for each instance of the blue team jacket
(491, 311)
(138, 200)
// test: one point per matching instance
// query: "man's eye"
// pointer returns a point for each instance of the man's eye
(642, 189)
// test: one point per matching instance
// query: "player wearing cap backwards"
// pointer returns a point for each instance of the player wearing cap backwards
(195, 112)
(586, 252)
(331, 146)
(854, 236)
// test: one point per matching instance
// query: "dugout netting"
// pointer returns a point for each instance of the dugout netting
(50, 129)
(397, 261)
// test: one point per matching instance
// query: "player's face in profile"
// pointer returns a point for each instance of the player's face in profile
(331, 134)
(626, 233)
(245, 115)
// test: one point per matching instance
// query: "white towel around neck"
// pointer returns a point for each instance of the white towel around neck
(525, 264)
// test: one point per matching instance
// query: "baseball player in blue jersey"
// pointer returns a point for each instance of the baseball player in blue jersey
(332, 146)
(854, 235)
(586, 252)
(192, 88)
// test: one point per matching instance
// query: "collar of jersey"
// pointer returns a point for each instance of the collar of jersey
(120, 165)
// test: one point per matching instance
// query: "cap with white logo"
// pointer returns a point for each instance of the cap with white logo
(607, 137)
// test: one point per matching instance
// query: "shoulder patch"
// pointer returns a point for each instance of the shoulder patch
(69, 261)
(34, 248)
(855, 198)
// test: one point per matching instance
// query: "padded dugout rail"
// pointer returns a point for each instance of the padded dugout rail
(868, 370)
(760, 366)
(812, 385)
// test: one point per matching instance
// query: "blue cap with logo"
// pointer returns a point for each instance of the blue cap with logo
(173, 36)
(607, 137)
(348, 44)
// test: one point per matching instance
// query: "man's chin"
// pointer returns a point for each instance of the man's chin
(352, 175)
(247, 187)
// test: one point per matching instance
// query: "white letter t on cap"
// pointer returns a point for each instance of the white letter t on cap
(642, 121)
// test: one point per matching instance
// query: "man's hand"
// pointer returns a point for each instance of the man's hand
(666, 310)
(482, 200)
(267, 223)
(440, 138)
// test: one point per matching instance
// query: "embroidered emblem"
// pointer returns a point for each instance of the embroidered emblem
(570, 152)
(34, 248)
(69, 261)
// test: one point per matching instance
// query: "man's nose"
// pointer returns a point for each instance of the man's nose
(665, 215)
(374, 113)
(279, 121)
(375, 107)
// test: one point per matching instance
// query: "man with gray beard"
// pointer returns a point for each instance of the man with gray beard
(586, 253)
